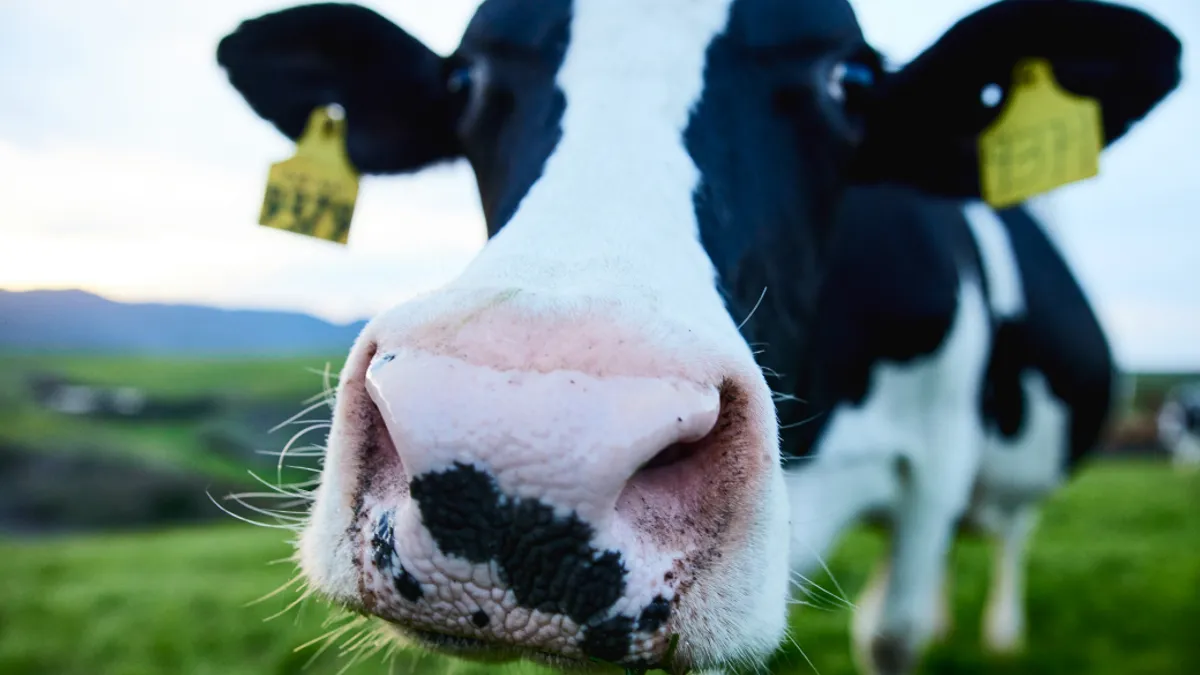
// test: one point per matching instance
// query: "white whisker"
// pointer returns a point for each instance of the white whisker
(297, 416)
(283, 454)
(806, 420)
(788, 635)
(808, 585)
(270, 512)
(247, 520)
(753, 309)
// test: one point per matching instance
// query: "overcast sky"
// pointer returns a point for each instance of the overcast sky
(129, 167)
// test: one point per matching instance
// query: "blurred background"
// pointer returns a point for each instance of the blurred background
(157, 347)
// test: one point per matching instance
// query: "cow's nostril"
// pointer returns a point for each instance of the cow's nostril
(681, 453)
(672, 454)
(662, 498)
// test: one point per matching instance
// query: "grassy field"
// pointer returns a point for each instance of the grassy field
(273, 388)
(247, 377)
(1114, 590)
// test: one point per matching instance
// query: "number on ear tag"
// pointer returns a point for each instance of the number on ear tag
(314, 192)
(1043, 139)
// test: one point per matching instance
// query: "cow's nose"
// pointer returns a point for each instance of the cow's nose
(570, 440)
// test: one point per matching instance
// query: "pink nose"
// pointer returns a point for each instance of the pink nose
(549, 507)
(571, 440)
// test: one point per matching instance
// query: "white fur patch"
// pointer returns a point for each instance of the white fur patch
(612, 214)
(999, 262)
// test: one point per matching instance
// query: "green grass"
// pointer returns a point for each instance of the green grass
(163, 603)
(1114, 589)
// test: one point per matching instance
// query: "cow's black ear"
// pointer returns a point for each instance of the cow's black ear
(400, 113)
(924, 121)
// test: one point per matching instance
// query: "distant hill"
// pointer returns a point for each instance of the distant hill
(78, 321)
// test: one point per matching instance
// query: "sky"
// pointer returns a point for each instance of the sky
(129, 167)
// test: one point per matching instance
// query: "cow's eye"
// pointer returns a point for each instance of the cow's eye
(459, 79)
(847, 78)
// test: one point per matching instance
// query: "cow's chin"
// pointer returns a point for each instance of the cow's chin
(727, 606)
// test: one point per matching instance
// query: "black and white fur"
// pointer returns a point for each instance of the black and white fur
(963, 377)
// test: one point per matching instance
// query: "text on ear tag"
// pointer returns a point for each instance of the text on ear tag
(1043, 139)
(314, 192)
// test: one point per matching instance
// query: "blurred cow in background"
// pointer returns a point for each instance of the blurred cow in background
(1179, 425)
(965, 376)
(571, 453)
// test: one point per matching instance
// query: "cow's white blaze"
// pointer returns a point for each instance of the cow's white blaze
(612, 214)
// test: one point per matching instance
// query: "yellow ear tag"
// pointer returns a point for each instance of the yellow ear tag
(1043, 139)
(313, 193)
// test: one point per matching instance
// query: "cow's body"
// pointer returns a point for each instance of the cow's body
(571, 452)
(1179, 425)
(955, 360)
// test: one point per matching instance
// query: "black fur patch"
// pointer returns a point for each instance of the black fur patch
(654, 615)
(383, 544)
(608, 640)
(1004, 404)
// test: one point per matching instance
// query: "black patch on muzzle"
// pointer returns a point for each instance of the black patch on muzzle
(383, 546)
(654, 615)
(546, 560)
(608, 640)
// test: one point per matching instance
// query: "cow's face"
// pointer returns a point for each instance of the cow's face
(569, 452)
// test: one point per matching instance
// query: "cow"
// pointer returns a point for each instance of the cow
(1179, 425)
(961, 377)
(572, 453)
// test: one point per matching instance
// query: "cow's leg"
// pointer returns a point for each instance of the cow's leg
(935, 491)
(828, 496)
(922, 539)
(869, 608)
(1187, 453)
(943, 617)
(1004, 615)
